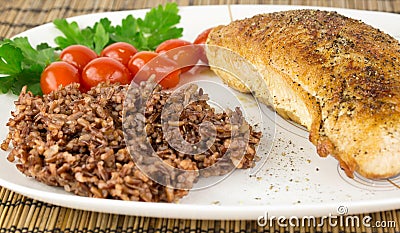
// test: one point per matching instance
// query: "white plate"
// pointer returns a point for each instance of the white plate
(293, 181)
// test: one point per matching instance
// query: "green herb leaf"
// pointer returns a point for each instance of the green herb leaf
(159, 24)
(21, 64)
(107, 25)
(160, 19)
(32, 56)
(73, 34)
(11, 60)
(128, 32)
(6, 83)
(29, 77)
(96, 37)
(101, 38)
(43, 46)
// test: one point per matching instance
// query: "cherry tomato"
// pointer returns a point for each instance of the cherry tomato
(171, 44)
(171, 80)
(201, 40)
(78, 55)
(56, 74)
(120, 51)
(144, 64)
(102, 69)
(181, 51)
(139, 60)
(202, 37)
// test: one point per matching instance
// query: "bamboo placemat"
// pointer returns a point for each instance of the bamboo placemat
(21, 214)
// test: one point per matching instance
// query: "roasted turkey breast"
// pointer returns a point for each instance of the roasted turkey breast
(337, 76)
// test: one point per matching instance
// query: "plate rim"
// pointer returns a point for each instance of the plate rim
(248, 212)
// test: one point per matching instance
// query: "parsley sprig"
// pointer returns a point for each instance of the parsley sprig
(158, 25)
(21, 64)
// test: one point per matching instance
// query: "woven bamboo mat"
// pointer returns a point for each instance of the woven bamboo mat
(21, 214)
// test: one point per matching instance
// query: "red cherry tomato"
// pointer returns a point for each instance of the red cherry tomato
(102, 69)
(139, 60)
(144, 64)
(202, 37)
(201, 40)
(78, 55)
(56, 74)
(171, 80)
(120, 51)
(171, 44)
(181, 51)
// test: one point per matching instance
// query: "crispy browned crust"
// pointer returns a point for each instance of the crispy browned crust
(346, 73)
